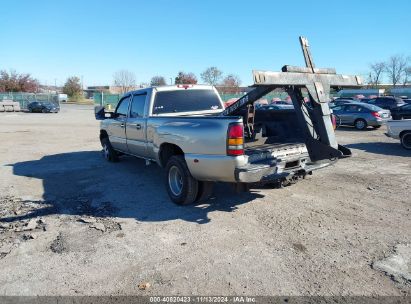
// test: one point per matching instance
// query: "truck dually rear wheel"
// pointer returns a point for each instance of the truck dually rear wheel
(181, 186)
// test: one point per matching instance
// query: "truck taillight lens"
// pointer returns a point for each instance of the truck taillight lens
(334, 121)
(235, 139)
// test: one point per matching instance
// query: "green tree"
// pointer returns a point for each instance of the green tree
(72, 87)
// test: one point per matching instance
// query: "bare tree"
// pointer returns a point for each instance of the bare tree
(377, 70)
(407, 77)
(212, 75)
(157, 81)
(124, 79)
(395, 68)
(231, 84)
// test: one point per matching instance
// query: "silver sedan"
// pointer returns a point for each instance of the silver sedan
(361, 115)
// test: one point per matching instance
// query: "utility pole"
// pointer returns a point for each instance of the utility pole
(171, 80)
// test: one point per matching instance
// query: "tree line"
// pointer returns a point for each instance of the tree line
(124, 79)
(212, 76)
(15, 82)
(397, 69)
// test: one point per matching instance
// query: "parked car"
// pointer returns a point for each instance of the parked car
(62, 97)
(344, 98)
(340, 102)
(281, 102)
(407, 101)
(387, 102)
(403, 112)
(365, 100)
(42, 107)
(361, 115)
(400, 129)
(276, 107)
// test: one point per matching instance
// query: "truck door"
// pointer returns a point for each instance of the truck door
(117, 129)
(137, 125)
(351, 113)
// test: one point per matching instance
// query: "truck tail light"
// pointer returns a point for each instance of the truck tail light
(334, 121)
(235, 139)
(376, 114)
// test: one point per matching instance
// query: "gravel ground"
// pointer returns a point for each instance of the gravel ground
(73, 224)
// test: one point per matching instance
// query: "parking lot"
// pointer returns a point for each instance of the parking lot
(73, 224)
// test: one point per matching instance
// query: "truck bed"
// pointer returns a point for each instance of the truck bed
(275, 151)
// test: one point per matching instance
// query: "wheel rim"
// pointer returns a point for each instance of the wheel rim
(360, 124)
(406, 141)
(175, 180)
(106, 152)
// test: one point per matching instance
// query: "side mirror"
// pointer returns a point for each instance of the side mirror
(101, 114)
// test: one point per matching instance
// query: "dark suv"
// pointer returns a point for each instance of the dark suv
(387, 102)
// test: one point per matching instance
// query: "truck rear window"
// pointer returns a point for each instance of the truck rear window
(185, 101)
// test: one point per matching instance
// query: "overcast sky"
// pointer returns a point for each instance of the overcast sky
(93, 39)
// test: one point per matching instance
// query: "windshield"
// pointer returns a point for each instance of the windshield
(186, 101)
(372, 107)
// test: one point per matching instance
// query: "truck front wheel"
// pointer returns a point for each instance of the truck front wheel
(181, 186)
(109, 153)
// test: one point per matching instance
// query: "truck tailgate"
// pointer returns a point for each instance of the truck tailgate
(265, 152)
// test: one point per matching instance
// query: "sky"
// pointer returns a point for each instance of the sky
(53, 40)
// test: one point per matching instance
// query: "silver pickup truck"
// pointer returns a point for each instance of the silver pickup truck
(181, 129)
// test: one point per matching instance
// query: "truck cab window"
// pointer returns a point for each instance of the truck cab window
(137, 106)
(122, 107)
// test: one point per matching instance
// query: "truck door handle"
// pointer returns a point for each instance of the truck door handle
(122, 125)
(138, 126)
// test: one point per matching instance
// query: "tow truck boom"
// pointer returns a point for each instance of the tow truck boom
(315, 119)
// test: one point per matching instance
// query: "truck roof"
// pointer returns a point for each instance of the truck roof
(174, 88)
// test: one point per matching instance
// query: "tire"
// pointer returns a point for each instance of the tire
(182, 188)
(360, 124)
(44, 111)
(205, 190)
(406, 140)
(108, 152)
(337, 121)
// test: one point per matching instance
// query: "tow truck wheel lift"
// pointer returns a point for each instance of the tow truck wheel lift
(315, 120)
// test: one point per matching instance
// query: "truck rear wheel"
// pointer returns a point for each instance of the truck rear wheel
(181, 186)
(205, 190)
(109, 153)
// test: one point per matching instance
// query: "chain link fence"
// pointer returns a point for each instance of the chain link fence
(109, 101)
(25, 98)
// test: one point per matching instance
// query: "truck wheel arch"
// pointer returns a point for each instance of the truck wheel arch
(103, 134)
(168, 150)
